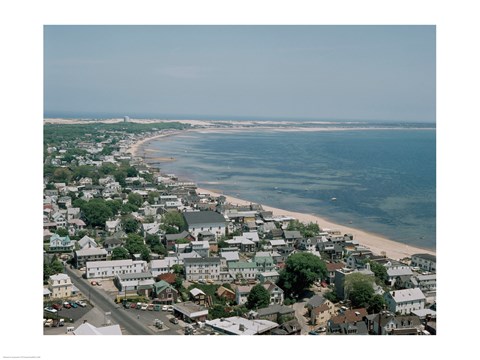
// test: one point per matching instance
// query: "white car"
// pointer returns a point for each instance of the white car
(81, 303)
(170, 308)
(164, 308)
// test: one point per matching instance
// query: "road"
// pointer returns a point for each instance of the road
(97, 297)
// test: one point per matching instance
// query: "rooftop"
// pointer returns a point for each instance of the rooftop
(203, 217)
(240, 326)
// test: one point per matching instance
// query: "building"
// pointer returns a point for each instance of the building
(342, 274)
(276, 293)
(81, 257)
(61, 244)
(163, 266)
(425, 262)
(198, 221)
(110, 268)
(89, 329)
(190, 312)
(320, 310)
(60, 286)
(133, 281)
(240, 326)
(276, 313)
(243, 270)
(405, 301)
(164, 293)
(202, 268)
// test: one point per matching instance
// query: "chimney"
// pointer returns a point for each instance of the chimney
(241, 327)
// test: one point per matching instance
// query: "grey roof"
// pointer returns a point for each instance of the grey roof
(211, 260)
(292, 234)
(316, 301)
(426, 257)
(181, 235)
(145, 275)
(275, 309)
(112, 241)
(203, 217)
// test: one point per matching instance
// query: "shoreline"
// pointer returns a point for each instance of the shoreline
(375, 242)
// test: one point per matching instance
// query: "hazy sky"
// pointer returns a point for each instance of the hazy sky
(291, 72)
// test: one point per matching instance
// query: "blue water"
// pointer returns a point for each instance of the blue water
(384, 180)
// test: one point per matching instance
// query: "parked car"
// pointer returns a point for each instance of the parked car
(73, 304)
(93, 283)
(144, 306)
(50, 310)
(170, 308)
(164, 308)
(67, 305)
(133, 306)
(157, 307)
(81, 303)
(312, 332)
(174, 320)
(150, 307)
(321, 329)
(48, 323)
(57, 307)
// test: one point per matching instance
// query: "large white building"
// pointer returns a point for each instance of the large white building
(103, 269)
(202, 268)
(199, 221)
(405, 301)
(83, 256)
(60, 286)
(163, 266)
(425, 262)
(236, 325)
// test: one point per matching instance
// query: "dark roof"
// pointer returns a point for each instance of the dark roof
(112, 241)
(182, 235)
(275, 309)
(315, 301)
(426, 257)
(203, 217)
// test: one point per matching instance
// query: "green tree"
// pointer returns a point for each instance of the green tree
(174, 219)
(114, 205)
(331, 296)
(379, 270)
(61, 232)
(301, 271)
(359, 289)
(145, 254)
(63, 175)
(120, 176)
(376, 304)
(107, 169)
(128, 209)
(130, 225)
(135, 199)
(134, 244)
(120, 253)
(217, 311)
(152, 195)
(178, 270)
(258, 297)
(96, 212)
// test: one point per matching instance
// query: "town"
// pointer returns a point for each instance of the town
(130, 250)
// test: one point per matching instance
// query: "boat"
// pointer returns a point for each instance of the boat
(333, 199)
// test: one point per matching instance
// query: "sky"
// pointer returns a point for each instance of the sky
(381, 73)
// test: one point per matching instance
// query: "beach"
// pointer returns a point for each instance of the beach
(376, 243)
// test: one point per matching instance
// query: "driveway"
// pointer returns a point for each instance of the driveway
(300, 311)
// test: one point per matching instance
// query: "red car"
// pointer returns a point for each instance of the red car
(67, 305)
(57, 306)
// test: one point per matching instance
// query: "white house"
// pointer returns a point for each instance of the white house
(163, 266)
(405, 301)
(133, 281)
(425, 262)
(202, 268)
(87, 242)
(113, 226)
(81, 257)
(60, 286)
(103, 269)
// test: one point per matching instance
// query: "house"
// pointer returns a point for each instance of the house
(163, 266)
(243, 270)
(202, 248)
(291, 327)
(226, 293)
(60, 286)
(320, 310)
(236, 325)
(425, 262)
(198, 221)
(202, 268)
(112, 243)
(132, 281)
(74, 225)
(190, 312)
(332, 250)
(275, 244)
(89, 254)
(171, 239)
(113, 226)
(59, 219)
(353, 318)
(387, 323)
(164, 293)
(292, 237)
(276, 313)
(227, 256)
(263, 261)
(331, 268)
(425, 283)
(110, 268)
(87, 242)
(272, 276)
(393, 273)
(61, 244)
(198, 297)
(405, 301)
(276, 293)
(242, 243)
(241, 293)
(73, 213)
(89, 329)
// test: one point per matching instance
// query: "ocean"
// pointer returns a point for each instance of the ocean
(383, 181)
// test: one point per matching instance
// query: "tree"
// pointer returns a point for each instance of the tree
(120, 253)
(62, 232)
(130, 225)
(114, 205)
(173, 219)
(96, 212)
(145, 254)
(62, 175)
(301, 271)
(152, 195)
(258, 297)
(379, 270)
(377, 304)
(178, 270)
(128, 208)
(134, 244)
(135, 199)
(359, 289)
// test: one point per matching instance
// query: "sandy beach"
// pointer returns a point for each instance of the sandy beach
(376, 243)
